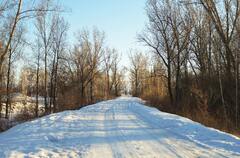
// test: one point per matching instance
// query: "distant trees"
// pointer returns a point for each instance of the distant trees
(86, 57)
(117, 78)
(197, 44)
(75, 76)
(110, 58)
(138, 73)
(147, 78)
(92, 63)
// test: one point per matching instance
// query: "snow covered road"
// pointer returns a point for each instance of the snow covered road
(116, 128)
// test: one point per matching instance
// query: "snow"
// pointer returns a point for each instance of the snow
(123, 127)
(21, 102)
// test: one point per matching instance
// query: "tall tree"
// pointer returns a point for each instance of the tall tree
(45, 25)
(58, 48)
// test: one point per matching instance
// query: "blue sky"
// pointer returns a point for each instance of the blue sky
(121, 20)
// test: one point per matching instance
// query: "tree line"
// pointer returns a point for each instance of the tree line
(57, 74)
(195, 49)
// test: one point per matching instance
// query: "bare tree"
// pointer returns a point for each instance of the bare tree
(159, 37)
(15, 49)
(226, 35)
(13, 13)
(59, 44)
(87, 58)
(226, 27)
(109, 59)
(137, 72)
(45, 26)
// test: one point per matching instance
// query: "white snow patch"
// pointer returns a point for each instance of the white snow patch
(123, 127)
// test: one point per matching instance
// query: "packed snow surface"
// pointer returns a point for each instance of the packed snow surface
(123, 127)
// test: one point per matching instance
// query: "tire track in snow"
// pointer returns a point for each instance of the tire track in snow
(185, 148)
(119, 147)
(115, 128)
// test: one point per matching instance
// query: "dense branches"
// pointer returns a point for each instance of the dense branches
(55, 75)
(198, 43)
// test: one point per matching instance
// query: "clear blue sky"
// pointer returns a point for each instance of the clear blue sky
(121, 20)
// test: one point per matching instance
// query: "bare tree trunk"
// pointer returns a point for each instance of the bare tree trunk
(51, 91)
(236, 82)
(108, 85)
(177, 80)
(169, 83)
(210, 48)
(91, 90)
(54, 97)
(45, 82)
(8, 104)
(1, 87)
(52, 83)
(37, 86)
(55, 84)
(226, 36)
(220, 85)
(0, 108)
(11, 35)
(136, 84)
(82, 90)
(116, 90)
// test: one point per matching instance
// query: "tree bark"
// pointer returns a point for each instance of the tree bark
(45, 82)
(8, 104)
(37, 85)
(169, 83)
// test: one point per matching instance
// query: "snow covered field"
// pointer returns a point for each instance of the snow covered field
(116, 128)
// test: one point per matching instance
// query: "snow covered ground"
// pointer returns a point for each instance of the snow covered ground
(21, 102)
(116, 128)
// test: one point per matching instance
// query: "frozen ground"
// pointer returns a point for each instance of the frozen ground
(21, 102)
(117, 128)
